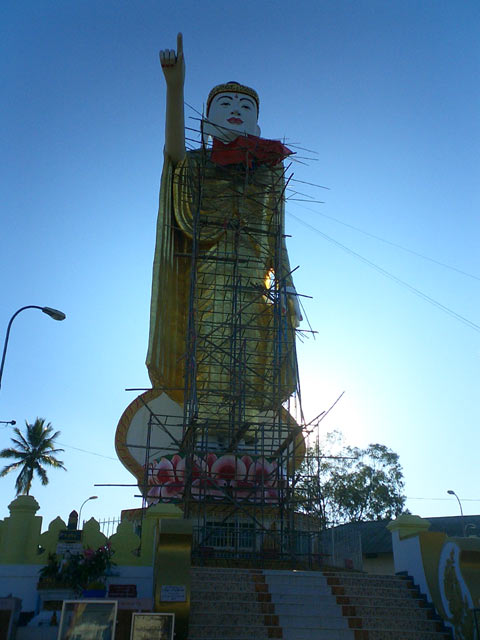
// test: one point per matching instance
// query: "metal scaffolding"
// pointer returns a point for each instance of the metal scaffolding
(231, 456)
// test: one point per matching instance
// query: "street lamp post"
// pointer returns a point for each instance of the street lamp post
(53, 313)
(452, 493)
(80, 512)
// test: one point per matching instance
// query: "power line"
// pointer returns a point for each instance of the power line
(393, 244)
(93, 453)
(346, 224)
(449, 499)
(386, 273)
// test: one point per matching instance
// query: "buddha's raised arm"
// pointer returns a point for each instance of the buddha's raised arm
(173, 67)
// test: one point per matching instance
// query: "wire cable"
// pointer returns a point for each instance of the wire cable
(393, 244)
(387, 274)
(93, 453)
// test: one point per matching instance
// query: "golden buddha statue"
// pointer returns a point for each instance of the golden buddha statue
(224, 309)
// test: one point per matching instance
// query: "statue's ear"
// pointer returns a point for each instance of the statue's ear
(258, 131)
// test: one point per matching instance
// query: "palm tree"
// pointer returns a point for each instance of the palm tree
(33, 451)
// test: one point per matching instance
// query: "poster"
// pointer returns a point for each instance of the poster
(152, 626)
(88, 620)
(173, 593)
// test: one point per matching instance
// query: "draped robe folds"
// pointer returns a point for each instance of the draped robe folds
(243, 335)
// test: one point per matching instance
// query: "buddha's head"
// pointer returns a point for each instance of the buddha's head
(232, 110)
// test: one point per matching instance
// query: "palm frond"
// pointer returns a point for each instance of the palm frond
(20, 444)
(8, 468)
(42, 473)
(23, 442)
(36, 447)
(53, 462)
(12, 453)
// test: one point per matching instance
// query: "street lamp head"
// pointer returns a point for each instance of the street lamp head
(451, 492)
(83, 503)
(54, 313)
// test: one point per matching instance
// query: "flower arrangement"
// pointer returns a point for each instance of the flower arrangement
(81, 571)
(216, 478)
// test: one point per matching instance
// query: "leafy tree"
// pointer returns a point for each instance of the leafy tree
(33, 451)
(339, 483)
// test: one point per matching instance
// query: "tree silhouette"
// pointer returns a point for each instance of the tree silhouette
(33, 451)
(340, 484)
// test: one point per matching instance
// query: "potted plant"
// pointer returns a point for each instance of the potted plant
(85, 572)
(53, 585)
(52, 575)
(95, 589)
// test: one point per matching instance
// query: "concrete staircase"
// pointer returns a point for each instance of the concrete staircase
(305, 606)
(243, 604)
(230, 603)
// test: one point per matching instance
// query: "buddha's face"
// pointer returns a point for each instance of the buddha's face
(233, 114)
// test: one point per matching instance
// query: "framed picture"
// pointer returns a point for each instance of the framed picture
(152, 626)
(88, 620)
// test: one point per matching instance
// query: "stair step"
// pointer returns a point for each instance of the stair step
(395, 634)
(297, 633)
(240, 604)
(254, 633)
(317, 608)
(229, 618)
(214, 587)
(398, 624)
(208, 606)
(378, 592)
(230, 632)
(366, 611)
(373, 600)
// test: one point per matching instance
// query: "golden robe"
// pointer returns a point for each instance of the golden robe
(220, 326)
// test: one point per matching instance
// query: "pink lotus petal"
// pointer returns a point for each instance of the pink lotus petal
(203, 487)
(175, 460)
(162, 471)
(247, 461)
(243, 489)
(180, 469)
(229, 467)
(172, 490)
(262, 472)
(199, 469)
(210, 459)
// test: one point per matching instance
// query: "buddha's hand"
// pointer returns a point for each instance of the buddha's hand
(173, 64)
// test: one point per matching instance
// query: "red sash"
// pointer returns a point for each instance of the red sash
(249, 149)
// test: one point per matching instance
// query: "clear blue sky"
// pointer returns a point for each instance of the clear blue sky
(387, 94)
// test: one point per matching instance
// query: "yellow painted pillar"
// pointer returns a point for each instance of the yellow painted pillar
(21, 532)
(172, 571)
(408, 525)
(149, 529)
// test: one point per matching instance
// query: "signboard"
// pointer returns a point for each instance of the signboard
(173, 593)
(73, 548)
(67, 535)
(92, 619)
(152, 626)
